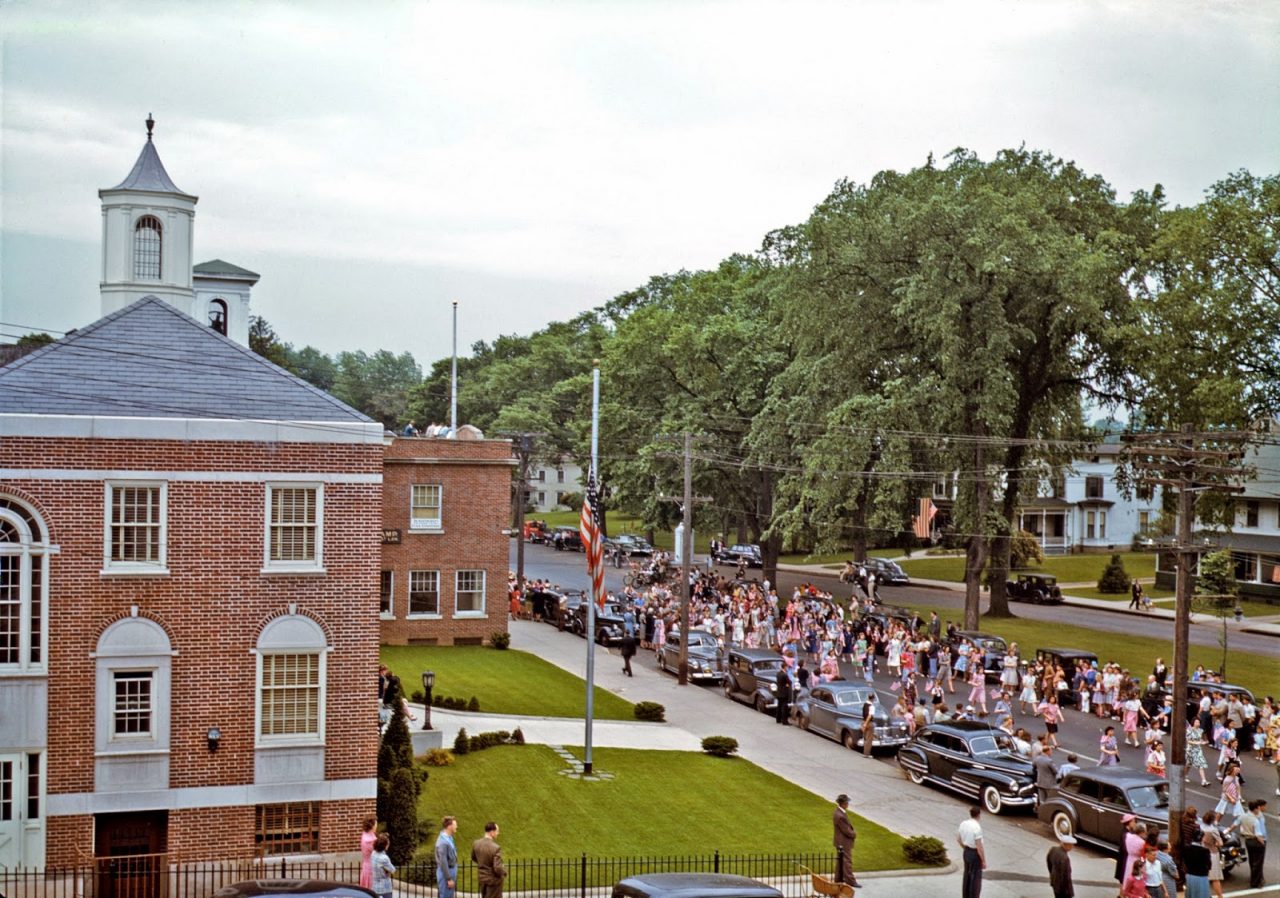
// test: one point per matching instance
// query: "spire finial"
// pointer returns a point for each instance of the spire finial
(151, 123)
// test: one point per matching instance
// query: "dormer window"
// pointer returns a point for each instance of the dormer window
(218, 316)
(146, 249)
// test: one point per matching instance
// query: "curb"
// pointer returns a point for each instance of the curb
(951, 867)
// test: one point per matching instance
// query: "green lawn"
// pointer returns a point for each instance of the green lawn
(660, 803)
(504, 682)
(1067, 568)
(836, 558)
(1091, 592)
(1259, 673)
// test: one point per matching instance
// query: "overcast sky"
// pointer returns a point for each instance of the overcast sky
(376, 160)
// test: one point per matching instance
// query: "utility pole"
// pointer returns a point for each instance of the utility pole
(686, 555)
(523, 445)
(1191, 463)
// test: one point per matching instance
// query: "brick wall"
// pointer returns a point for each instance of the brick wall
(213, 604)
(475, 476)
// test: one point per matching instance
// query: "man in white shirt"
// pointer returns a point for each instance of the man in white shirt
(969, 836)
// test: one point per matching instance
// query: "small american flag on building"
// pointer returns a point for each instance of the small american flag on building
(589, 527)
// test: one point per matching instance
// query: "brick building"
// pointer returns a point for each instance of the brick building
(189, 542)
(444, 555)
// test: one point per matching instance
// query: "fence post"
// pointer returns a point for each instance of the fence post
(583, 883)
(717, 864)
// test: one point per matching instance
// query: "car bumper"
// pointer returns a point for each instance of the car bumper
(716, 675)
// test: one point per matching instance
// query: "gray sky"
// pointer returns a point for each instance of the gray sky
(375, 161)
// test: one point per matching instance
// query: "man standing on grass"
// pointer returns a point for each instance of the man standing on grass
(843, 839)
(969, 835)
(447, 858)
(487, 854)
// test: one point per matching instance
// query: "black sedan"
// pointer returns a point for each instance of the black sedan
(741, 553)
(972, 758)
(993, 648)
(751, 676)
(834, 710)
(706, 658)
(629, 545)
(610, 626)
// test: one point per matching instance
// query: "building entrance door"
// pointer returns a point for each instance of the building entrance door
(130, 854)
(21, 838)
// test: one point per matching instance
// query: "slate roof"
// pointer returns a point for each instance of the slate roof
(149, 360)
(148, 174)
(219, 268)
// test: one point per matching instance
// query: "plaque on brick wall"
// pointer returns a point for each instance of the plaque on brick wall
(391, 536)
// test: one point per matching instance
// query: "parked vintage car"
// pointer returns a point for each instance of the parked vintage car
(630, 545)
(535, 531)
(888, 573)
(749, 554)
(1195, 689)
(834, 710)
(1067, 659)
(884, 615)
(1041, 589)
(1089, 803)
(692, 885)
(292, 888)
(608, 620)
(750, 676)
(706, 658)
(971, 758)
(557, 608)
(566, 538)
(993, 648)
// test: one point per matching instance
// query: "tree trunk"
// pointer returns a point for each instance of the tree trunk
(976, 553)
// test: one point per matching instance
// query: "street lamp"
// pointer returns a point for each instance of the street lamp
(428, 683)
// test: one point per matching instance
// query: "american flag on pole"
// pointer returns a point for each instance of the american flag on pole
(589, 527)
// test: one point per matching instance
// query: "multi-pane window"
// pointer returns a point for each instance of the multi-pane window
(291, 694)
(386, 589)
(290, 828)
(1251, 508)
(131, 714)
(293, 525)
(469, 592)
(1093, 486)
(136, 525)
(6, 790)
(424, 512)
(1090, 524)
(10, 604)
(424, 592)
(33, 785)
(146, 249)
(23, 572)
(1144, 521)
(559, 475)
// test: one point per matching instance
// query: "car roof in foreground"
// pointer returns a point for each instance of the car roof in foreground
(695, 885)
(1124, 776)
(293, 888)
(1070, 653)
(965, 726)
(756, 654)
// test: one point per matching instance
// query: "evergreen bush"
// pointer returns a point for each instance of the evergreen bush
(650, 711)
(1115, 579)
(720, 746)
(925, 850)
(438, 757)
(474, 704)
(499, 640)
(402, 815)
(461, 742)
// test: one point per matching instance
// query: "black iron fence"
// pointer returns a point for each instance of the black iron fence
(155, 876)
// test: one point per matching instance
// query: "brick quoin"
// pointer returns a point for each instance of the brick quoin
(475, 476)
(213, 604)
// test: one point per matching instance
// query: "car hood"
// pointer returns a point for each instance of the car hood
(1006, 761)
(700, 651)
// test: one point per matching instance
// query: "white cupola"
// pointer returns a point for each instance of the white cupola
(147, 234)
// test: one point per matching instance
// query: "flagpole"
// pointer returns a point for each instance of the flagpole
(596, 588)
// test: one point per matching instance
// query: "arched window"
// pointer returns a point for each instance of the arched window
(146, 249)
(218, 316)
(291, 682)
(24, 578)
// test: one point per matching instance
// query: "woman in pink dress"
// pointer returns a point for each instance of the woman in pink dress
(367, 838)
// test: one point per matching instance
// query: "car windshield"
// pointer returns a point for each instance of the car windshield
(988, 745)
(849, 697)
(701, 639)
(1153, 796)
(769, 666)
(993, 644)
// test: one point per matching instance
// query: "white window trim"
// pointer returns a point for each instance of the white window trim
(114, 738)
(315, 566)
(390, 613)
(426, 525)
(293, 643)
(421, 615)
(129, 654)
(158, 568)
(484, 589)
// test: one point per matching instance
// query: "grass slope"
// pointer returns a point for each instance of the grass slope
(660, 803)
(1067, 568)
(505, 682)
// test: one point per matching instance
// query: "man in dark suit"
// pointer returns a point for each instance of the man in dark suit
(783, 684)
(843, 840)
(628, 646)
(487, 854)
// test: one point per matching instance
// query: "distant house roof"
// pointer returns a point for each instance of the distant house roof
(149, 360)
(148, 174)
(219, 268)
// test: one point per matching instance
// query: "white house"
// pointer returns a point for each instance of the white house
(550, 481)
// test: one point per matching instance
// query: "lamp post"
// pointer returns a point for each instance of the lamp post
(428, 683)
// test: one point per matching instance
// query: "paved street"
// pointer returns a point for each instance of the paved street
(880, 791)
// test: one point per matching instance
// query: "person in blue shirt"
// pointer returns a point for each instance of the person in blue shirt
(447, 858)
(382, 866)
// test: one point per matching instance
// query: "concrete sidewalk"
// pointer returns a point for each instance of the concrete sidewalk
(1016, 844)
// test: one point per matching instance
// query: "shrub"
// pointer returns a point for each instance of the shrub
(461, 742)
(1115, 579)
(1024, 550)
(474, 704)
(650, 711)
(925, 850)
(438, 757)
(500, 640)
(720, 746)
(402, 815)
(419, 697)
(517, 736)
(436, 700)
